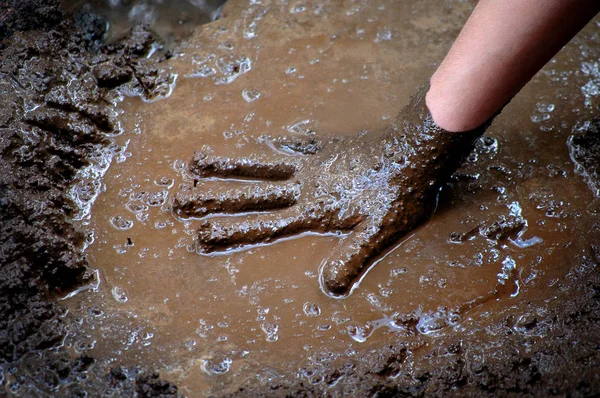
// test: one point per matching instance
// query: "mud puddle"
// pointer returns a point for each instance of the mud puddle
(173, 20)
(510, 229)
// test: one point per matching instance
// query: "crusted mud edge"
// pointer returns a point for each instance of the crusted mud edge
(55, 77)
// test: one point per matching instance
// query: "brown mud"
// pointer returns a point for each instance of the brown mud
(56, 117)
(496, 294)
(172, 20)
(377, 186)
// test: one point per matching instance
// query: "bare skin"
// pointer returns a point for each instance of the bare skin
(379, 185)
(501, 47)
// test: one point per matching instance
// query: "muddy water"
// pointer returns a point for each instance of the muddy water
(511, 227)
(172, 20)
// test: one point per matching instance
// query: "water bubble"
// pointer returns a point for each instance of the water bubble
(544, 108)
(487, 145)
(204, 71)
(270, 330)
(311, 309)
(164, 182)
(216, 366)
(383, 34)
(250, 31)
(540, 118)
(190, 345)
(119, 294)
(133, 336)
(178, 165)
(592, 87)
(359, 333)
(396, 272)
(157, 198)
(136, 207)
(232, 67)
(262, 310)
(339, 318)
(227, 45)
(121, 223)
(82, 346)
(203, 328)
(298, 9)
(160, 224)
(508, 265)
(142, 217)
(95, 311)
(250, 95)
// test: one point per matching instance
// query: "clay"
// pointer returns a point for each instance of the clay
(377, 186)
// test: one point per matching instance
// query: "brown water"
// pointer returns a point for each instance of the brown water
(211, 322)
(172, 20)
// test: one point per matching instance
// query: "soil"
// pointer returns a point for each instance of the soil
(497, 294)
(55, 82)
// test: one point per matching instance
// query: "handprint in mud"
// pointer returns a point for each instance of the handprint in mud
(374, 187)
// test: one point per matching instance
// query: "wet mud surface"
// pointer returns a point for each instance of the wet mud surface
(55, 122)
(208, 237)
(376, 186)
(172, 21)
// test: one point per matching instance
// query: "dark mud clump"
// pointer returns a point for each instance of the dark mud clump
(23, 15)
(55, 82)
(584, 148)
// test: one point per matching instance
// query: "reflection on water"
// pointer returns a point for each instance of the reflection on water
(172, 20)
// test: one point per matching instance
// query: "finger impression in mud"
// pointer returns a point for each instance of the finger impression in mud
(374, 187)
